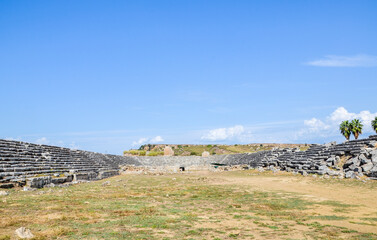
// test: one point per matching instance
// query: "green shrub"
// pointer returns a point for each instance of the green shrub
(134, 152)
(142, 153)
(153, 154)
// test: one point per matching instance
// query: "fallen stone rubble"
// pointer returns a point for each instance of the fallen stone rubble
(352, 159)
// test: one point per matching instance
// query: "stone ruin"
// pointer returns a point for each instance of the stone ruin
(37, 165)
(34, 165)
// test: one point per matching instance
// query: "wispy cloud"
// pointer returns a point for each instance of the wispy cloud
(13, 139)
(360, 60)
(315, 125)
(42, 140)
(144, 140)
(237, 132)
(139, 142)
(157, 139)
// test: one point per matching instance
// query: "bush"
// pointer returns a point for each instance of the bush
(132, 152)
(142, 153)
(153, 154)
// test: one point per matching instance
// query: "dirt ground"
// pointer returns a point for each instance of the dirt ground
(196, 205)
(345, 191)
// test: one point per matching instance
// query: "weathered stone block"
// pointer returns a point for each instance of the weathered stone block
(106, 174)
(367, 167)
(168, 151)
(85, 176)
(374, 156)
(350, 174)
(38, 182)
(7, 185)
(58, 180)
(80, 176)
(205, 154)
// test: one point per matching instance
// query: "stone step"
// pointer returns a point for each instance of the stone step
(10, 175)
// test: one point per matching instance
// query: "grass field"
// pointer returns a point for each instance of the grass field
(199, 205)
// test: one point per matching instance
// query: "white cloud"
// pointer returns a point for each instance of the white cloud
(360, 60)
(157, 139)
(315, 125)
(42, 140)
(341, 114)
(12, 139)
(142, 141)
(73, 145)
(139, 142)
(225, 133)
(330, 125)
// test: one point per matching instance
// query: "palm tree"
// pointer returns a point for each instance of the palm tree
(374, 124)
(356, 128)
(345, 129)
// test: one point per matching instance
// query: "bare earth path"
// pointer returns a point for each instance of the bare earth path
(345, 191)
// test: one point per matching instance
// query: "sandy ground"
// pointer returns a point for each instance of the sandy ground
(363, 196)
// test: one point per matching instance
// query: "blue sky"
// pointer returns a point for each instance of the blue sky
(108, 75)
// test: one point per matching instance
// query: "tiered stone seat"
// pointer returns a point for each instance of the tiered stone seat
(20, 160)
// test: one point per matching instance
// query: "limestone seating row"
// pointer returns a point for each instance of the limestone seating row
(19, 178)
(57, 166)
(14, 165)
(19, 160)
(11, 175)
(41, 170)
(35, 168)
(39, 182)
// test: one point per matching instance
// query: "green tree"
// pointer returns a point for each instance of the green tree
(356, 128)
(345, 129)
(374, 124)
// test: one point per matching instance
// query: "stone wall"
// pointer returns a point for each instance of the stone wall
(171, 161)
